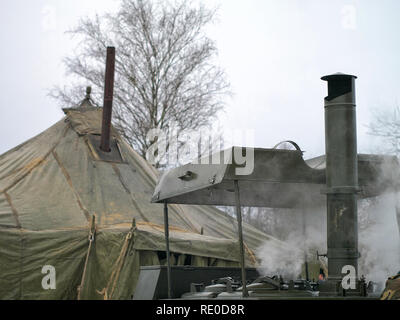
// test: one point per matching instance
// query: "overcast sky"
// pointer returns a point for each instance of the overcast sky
(274, 53)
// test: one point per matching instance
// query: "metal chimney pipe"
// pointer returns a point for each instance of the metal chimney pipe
(108, 100)
(341, 174)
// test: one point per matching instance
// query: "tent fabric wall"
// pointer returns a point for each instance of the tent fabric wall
(24, 254)
(50, 188)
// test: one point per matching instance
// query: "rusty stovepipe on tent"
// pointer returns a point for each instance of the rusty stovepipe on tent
(108, 100)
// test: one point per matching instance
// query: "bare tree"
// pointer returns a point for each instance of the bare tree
(165, 67)
(386, 125)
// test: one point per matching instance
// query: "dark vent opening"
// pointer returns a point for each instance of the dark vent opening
(338, 87)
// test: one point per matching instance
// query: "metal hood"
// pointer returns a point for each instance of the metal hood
(280, 179)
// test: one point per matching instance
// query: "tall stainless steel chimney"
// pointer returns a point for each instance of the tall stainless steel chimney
(341, 174)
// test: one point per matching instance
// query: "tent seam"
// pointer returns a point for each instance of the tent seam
(13, 209)
(118, 173)
(143, 172)
(39, 162)
(183, 216)
(69, 181)
(147, 176)
(92, 238)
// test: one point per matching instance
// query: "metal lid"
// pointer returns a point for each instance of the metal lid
(337, 75)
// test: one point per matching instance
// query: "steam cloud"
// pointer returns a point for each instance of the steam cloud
(379, 242)
(289, 263)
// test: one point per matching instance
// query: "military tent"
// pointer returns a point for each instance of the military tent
(70, 211)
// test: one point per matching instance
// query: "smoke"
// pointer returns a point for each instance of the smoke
(379, 240)
(275, 261)
(303, 240)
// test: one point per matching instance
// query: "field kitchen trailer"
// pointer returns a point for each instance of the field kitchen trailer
(283, 179)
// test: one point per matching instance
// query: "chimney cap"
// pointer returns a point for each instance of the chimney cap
(337, 75)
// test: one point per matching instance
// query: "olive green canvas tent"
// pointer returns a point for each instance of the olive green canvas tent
(67, 210)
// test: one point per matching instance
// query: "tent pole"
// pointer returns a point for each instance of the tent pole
(241, 246)
(166, 226)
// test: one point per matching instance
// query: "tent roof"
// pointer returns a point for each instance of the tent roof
(58, 179)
